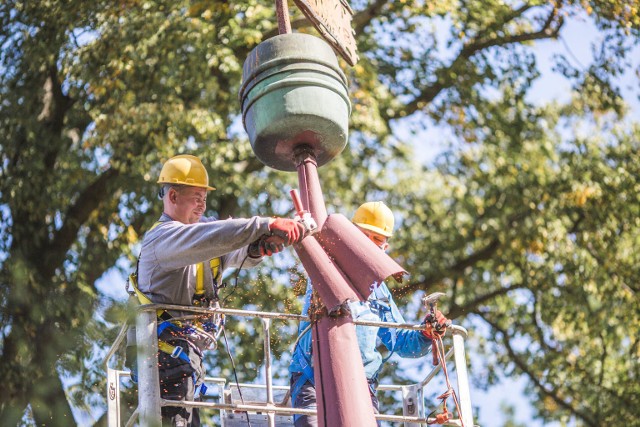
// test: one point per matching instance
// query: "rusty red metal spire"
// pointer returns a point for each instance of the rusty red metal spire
(343, 265)
(341, 387)
(282, 10)
(298, 122)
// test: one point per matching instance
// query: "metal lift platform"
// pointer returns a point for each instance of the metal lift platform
(264, 405)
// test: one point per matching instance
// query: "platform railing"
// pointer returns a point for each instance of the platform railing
(150, 402)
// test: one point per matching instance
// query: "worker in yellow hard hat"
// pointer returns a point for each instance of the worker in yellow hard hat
(376, 221)
(181, 263)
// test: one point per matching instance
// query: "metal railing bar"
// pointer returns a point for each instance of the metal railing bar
(132, 419)
(291, 411)
(116, 344)
(229, 311)
(284, 316)
(237, 407)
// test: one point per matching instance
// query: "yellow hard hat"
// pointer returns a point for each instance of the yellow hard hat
(185, 169)
(374, 216)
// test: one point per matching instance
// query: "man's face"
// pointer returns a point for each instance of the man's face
(377, 238)
(188, 203)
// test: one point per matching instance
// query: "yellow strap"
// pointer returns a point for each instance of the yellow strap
(166, 347)
(200, 278)
(214, 264)
(215, 267)
(142, 298)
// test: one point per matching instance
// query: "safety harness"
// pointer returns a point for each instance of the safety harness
(209, 330)
(305, 363)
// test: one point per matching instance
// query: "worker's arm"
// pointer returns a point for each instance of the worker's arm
(404, 342)
(173, 244)
(239, 258)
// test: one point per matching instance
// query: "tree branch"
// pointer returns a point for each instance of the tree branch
(428, 94)
(48, 407)
(55, 105)
(361, 19)
(458, 267)
(524, 368)
(13, 404)
(539, 329)
(472, 306)
(76, 216)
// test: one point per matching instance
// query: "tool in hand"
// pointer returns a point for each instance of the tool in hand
(431, 321)
(303, 215)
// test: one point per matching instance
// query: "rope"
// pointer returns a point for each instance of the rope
(438, 346)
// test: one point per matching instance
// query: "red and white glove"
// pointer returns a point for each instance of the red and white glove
(265, 246)
(288, 230)
(435, 327)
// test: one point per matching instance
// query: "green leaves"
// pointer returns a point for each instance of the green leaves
(529, 221)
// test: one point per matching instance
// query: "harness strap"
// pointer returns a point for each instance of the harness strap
(142, 298)
(307, 369)
(214, 265)
(175, 325)
(177, 352)
(306, 376)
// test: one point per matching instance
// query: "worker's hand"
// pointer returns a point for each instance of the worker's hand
(265, 246)
(289, 230)
(435, 326)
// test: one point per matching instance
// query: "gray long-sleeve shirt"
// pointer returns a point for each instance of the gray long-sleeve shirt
(171, 251)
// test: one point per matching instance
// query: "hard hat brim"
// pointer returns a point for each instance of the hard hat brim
(373, 228)
(208, 187)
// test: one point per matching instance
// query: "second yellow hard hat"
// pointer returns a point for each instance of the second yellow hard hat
(374, 216)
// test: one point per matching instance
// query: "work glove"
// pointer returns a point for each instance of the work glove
(289, 230)
(435, 326)
(265, 245)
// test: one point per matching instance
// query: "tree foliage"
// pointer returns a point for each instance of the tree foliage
(529, 222)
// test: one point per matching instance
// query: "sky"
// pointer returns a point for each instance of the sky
(575, 43)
